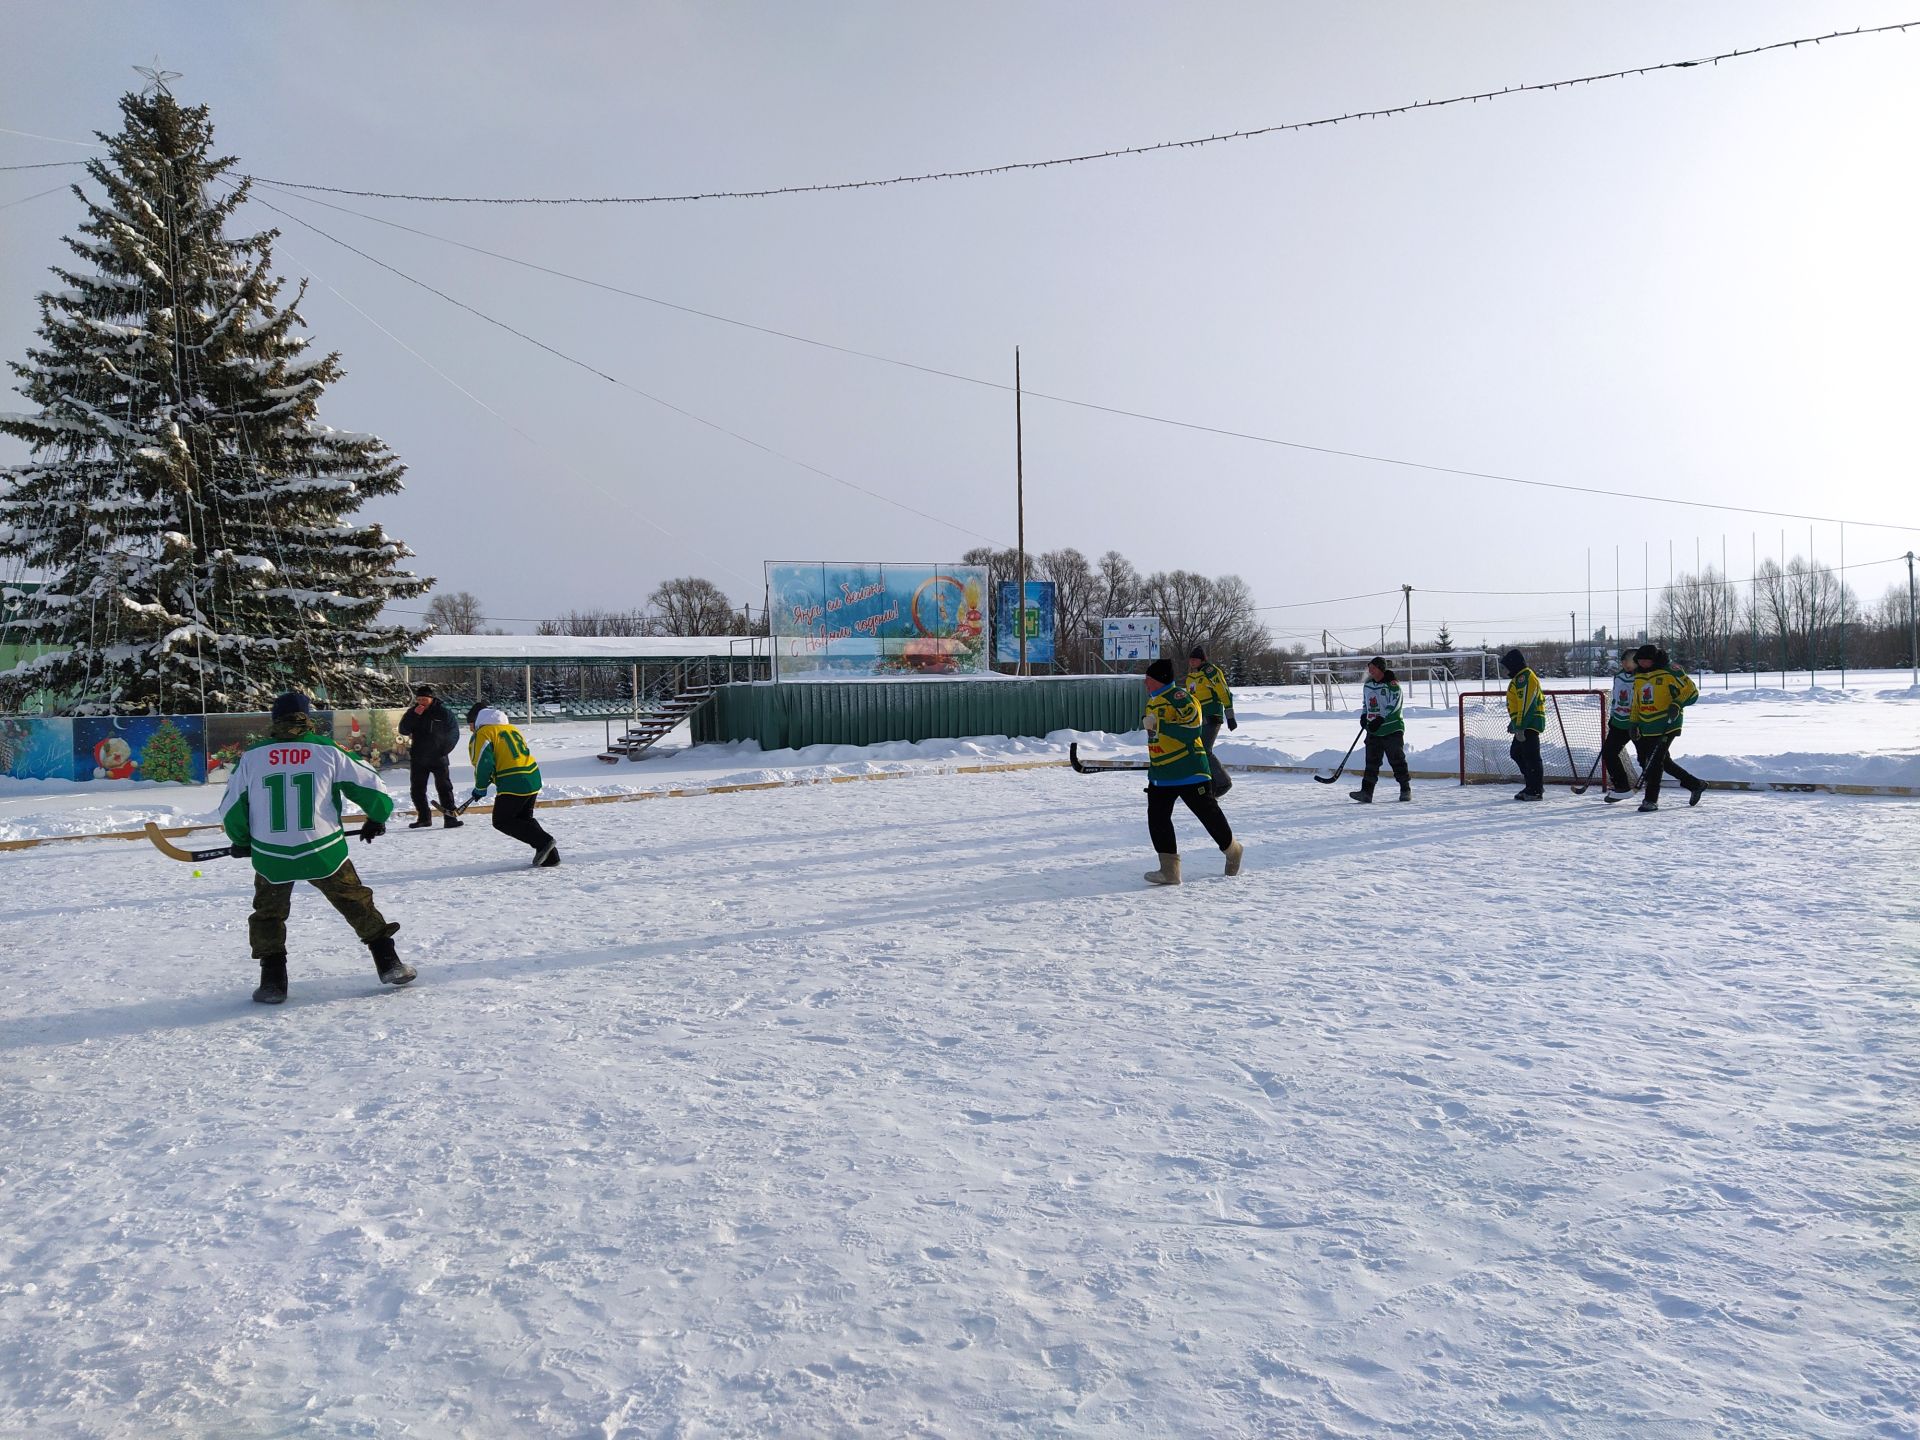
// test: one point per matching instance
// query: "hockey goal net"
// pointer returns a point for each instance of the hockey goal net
(1576, 729)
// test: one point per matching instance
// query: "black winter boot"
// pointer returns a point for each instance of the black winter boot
(1406, 791)
(272, 989)
(1363, 795)
(393, 970)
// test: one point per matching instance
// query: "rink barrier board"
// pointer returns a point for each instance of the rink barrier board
(795, 715)
(691, 792)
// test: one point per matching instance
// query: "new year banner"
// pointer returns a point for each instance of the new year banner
(1039, 618)
(854, 620)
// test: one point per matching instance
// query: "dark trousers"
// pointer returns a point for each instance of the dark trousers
(513, 815)
(1222, 782)
(1610, 751)
(1391, 748)
(442, 778)
(1525, 751)
(1656, 759)
(1199, 800)
(267, 926)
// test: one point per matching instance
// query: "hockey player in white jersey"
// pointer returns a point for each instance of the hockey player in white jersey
(282, 808)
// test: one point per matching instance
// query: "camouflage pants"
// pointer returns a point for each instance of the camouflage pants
(267, 927)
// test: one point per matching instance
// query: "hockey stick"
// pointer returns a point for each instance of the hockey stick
(1096, 767)
(458, 810)
(174, 852)
(1587, 784)
(1614, 797)
(1329, 779)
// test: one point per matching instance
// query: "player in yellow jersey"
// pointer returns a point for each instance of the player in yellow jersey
(501, 757)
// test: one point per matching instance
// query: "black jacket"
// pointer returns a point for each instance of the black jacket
(434, 733)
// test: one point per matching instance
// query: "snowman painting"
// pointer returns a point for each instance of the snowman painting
(113, 759)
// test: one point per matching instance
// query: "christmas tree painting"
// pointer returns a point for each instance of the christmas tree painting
(191, 516)
(167, 755)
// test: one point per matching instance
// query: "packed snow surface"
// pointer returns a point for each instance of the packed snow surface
(907, 1109)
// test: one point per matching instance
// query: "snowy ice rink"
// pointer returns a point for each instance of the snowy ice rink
(905, 1108)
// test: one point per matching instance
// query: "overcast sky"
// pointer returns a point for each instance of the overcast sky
(1698, 283)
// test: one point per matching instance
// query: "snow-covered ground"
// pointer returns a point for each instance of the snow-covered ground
(1868, 734)
(907, 1109)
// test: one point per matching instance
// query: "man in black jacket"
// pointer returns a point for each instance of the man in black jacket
(434, 733)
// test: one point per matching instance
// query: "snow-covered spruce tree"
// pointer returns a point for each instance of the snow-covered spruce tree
(188, 514)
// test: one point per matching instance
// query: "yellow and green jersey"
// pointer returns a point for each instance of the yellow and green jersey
(1175, 754)
(501, 757)
(1659, 696)
(1208, 686)
(1526, 705)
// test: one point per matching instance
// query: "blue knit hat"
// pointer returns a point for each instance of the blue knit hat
(290, 704)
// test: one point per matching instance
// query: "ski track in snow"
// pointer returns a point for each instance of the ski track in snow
(908, 1109)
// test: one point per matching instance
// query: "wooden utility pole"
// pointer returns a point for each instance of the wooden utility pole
(1020, 505)
(1913, 628)
(1407, 590)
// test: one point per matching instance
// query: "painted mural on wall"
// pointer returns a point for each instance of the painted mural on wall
(373, 735)
(36, 747)
(851, 619)
(164, 749)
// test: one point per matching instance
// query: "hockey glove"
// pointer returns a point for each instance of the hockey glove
(1232, 724)
(475, 798)
(241, 849)
(372, 830)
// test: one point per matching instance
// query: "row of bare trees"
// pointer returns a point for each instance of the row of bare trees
(1794, 616)
(1193, 609)
(688, 605)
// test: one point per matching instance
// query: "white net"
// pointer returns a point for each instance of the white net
(1569, 750)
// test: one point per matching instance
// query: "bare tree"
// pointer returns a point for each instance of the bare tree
(1695, 613)
(457, 613)
(1075, 588)
(690, 605)
(595, 622)
(1122, 592)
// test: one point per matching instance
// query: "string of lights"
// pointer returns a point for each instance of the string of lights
(1116, 152)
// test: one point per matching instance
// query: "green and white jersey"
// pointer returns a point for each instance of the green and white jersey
(1621, 711)
(1380, 700)
(285, 800)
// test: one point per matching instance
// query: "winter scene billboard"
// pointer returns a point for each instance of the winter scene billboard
(1130, 637)
(849, 619)
(36, 747)
(1039, 619)
(141, 747)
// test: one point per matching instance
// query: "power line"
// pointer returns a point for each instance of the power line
(1092, 405)
(37, 195)
(54, 140)
(45, 164)
(624, 385)
(1192, 143)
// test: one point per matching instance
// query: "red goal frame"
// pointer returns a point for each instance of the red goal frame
(1576, 751)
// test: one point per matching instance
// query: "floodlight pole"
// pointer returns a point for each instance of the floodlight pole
(1407, 590)
(1020, 505)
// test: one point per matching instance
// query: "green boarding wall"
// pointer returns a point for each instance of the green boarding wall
(791, 716)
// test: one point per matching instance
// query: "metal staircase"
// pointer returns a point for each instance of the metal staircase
(670, 702)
